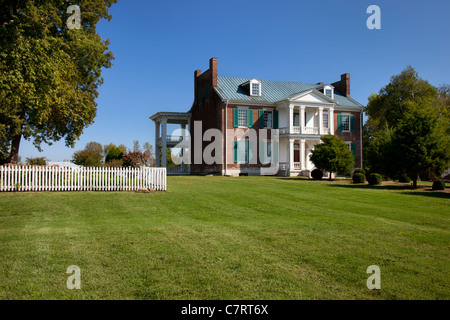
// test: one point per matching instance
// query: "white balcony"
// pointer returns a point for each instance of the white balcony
(311, 130)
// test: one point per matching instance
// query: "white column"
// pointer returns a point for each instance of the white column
(302, 155)
(291, 118)
(164, 143)
(302, 119)
(291, 154)
(331, 120)
(157, 148)
(320, 124)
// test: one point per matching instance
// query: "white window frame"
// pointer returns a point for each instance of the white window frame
(252, 82)
(325, 113)
(243, 109)
(349, 125)
(328, 87)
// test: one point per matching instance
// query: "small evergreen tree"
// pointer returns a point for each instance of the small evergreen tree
(333, 155)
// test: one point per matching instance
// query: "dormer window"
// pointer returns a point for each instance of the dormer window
(256, 88)
(328, 90)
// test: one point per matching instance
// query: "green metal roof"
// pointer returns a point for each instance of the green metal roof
(229, 88)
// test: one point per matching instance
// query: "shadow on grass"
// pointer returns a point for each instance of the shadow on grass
(406, 187)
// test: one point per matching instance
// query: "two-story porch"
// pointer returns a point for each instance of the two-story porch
(303, 120)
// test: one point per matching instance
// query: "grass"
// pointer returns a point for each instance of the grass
(227, 238)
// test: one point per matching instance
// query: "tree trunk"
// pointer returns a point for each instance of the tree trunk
(14, 154)
(329, 178)
(415, 184)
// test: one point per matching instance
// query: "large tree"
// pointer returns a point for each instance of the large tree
(420, 142)
(333, 155)
(405, 98)
(49, 74)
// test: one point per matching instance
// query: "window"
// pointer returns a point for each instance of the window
(255, 89)
(345, 122)
(296, 119)
(269, 149)
(329, 93)
(242, 117)
(325, 120)
(267, 119)
(242, 151)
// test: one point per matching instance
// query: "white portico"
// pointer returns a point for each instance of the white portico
(164, 140)
(304, 118)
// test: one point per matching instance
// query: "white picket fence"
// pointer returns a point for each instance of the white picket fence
(45, 178)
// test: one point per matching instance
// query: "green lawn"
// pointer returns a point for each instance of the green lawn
(227, 238)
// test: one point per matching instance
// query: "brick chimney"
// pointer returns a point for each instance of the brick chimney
(343, 85)
(213, 69)
(320, 83)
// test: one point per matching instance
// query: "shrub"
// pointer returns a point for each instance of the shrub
(374, 179)
(359, 178)
(404, 178)
(360, 171)
(438, 184)
(317, 174)
(135, 159)
(38, 161)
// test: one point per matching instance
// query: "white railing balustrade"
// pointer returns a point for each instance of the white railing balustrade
(53, 178)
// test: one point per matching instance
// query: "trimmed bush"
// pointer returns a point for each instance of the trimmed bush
(317, 174)
(360, 171)
(359, 178)
(438, 184)
(374, 179)
(404, 178)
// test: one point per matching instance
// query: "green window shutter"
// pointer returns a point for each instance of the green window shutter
(235, 151)
(353, 148)
(250, 151)
(352, 123)
(339, 122)
(199, 96)
(250, 118)
(305, 119)
(275, 119)
(236, 117)
(261, 118)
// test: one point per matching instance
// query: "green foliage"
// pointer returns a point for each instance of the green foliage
(374, 179)
(360, 171)
(37, 161)
(114, 153)
(49, 75)
(317, 174)
(359, 178)
(90, 156)
(391, 104)
(114, 163)
(332, 155)
(408, 127)
(420, 142)
(404, 178)
(438, 184)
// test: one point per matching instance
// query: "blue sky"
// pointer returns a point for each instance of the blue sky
(158, 45)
